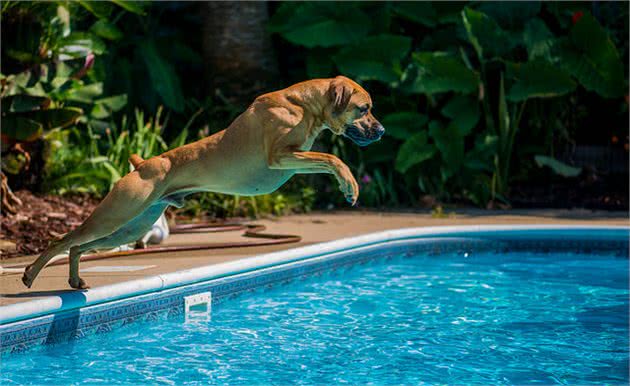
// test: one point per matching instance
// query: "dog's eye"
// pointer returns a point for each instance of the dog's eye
(364, 109)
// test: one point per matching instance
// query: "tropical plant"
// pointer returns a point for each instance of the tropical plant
(51, 96)
(45, 79)
(475, 97)
(147, 52)
(94, 162)
(452, 82)
(555, 66)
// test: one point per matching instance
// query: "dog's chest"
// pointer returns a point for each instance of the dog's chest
(310, 140)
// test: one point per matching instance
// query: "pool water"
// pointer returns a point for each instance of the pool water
(481, 318)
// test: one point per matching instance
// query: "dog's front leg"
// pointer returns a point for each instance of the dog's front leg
(314, 162)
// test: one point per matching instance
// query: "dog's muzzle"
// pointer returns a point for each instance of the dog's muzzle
(366, 136)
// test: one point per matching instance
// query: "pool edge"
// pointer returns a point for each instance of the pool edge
(69, 301)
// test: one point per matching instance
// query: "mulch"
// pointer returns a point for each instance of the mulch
(42, 218)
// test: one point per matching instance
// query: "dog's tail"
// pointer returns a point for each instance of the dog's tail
(135, 160)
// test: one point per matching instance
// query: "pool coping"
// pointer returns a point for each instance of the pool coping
(76, 300)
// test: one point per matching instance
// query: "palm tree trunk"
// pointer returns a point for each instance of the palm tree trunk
(237, 49)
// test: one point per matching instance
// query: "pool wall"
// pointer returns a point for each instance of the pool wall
(73, 315)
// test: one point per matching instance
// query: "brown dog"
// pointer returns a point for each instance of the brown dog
(256, 154)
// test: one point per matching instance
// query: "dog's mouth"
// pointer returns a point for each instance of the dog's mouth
(360, 137)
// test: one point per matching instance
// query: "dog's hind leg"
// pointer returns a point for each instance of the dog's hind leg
(126, 234)
(131, 196)
(74, 280)
(55, 248)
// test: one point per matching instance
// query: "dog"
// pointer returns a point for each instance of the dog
(256, 154)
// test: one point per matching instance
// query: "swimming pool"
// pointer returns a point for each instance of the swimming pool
(539, 306)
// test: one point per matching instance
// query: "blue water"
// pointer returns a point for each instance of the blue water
(479, 318)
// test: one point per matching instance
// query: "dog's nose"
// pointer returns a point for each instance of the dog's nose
(379, 130)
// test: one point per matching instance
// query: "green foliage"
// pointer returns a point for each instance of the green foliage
(558, 167)
(146, 63)
(21, 102)
(95, 163)
(455, 101)
(40, 101)
(131, 6)
(413, 151)
(279, 203)
(29, 125)
(62, 73)
(537, 79)
(163, 76)
(591, 57)
(538, 39)
(106, 30)
(325, 24)
(456, 85)
(450, 143)
(48, 98)
(421, 12)
(381, 64)
(61, 91)
(485, 34)
(437, 72)
(540, 77)
(379, 188)
(54, 92)
(131, 57)
(480, 157)
(464, 112)
(511, 15)
(79, 45)
(404, 124)
(140, 136)
(26, 117)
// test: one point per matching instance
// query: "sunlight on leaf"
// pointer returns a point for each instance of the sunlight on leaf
(557, 166)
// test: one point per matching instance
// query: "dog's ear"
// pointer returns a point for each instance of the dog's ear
(339, 93)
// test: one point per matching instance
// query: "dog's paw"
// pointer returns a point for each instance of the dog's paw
(352, 196)
(349, 187)
(78, 283)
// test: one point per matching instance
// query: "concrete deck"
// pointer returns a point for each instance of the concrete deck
(314, 228)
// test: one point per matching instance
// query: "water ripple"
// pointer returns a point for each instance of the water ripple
(476, 319)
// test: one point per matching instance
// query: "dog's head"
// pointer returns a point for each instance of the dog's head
(350, 112)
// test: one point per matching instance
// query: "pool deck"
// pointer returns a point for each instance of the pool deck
(313, 228)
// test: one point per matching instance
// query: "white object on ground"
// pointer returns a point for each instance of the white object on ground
(158, 233)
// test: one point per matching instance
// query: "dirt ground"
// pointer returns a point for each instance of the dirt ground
(40, 219)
